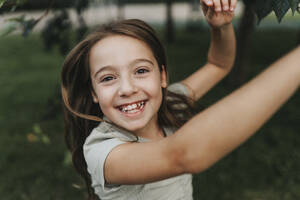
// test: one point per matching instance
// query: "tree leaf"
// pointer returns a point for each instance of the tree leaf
(37, 129)
(263, 8)
(28, 25)
(9, 28)
(17, 3)
(2, 2)
(45, 139)
(31, 137)
(280, 8)
(294, 5)
(68, 158)
(20, 2)
(19, 19)
(249, 2)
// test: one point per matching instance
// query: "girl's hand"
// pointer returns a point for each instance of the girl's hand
(218, 12)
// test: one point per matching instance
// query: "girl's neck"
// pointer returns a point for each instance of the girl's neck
(152, 131)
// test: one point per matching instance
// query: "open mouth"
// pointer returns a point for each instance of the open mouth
(132, 108)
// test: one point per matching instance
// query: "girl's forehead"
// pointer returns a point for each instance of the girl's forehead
(119, 49)
(119, 41)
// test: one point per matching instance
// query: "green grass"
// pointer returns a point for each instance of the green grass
(29, 78)
(266, 167)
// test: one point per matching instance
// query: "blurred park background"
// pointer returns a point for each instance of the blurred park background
(36, 36)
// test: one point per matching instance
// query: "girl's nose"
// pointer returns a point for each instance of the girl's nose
(127, 87)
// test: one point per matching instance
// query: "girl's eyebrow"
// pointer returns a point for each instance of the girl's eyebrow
(109, 67)
(141, 60)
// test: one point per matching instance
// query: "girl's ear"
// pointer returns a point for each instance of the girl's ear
(95, 98)
(164, 82)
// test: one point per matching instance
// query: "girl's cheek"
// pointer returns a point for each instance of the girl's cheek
(106, 93)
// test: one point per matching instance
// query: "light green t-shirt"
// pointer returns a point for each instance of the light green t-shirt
(103, 139)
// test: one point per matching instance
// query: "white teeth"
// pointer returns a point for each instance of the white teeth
(133, 107)
(132, 111)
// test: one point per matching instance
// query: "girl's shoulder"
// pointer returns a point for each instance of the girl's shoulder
(179, 88)
(98, 145)
(105, 131)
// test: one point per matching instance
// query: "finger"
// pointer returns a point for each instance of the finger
(210, 13)
(225, 5)
(217, 5)
(204, 8)
(207, 2)
(233, 5)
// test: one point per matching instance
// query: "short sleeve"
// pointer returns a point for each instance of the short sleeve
(97, 147)
(95, 155)
(179, 88)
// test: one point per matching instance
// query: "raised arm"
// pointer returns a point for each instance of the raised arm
(211, 134)
(215, 132)
(221, 53)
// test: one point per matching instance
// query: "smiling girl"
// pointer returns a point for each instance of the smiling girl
(147, 145)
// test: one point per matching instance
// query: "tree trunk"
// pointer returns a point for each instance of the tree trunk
(121, 13)
(195, 18)
(169, 34)
(299, 36)
(245, 29)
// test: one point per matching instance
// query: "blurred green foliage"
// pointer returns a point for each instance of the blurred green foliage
(31, 169)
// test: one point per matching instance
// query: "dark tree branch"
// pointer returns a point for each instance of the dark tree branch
(170, 34)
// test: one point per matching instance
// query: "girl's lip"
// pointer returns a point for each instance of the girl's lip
(126, 104)
(136, 113)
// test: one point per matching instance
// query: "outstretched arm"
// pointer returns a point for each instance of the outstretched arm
(215, 132)
(221, 55)
(211, 134)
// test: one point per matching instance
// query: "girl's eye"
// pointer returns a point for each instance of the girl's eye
(107, 78)
(142, 71)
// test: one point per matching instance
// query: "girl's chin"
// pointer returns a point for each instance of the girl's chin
(135, 128)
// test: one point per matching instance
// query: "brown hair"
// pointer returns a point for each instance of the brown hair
(82, 114)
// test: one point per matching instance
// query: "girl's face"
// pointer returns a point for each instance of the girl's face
(127, 82)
